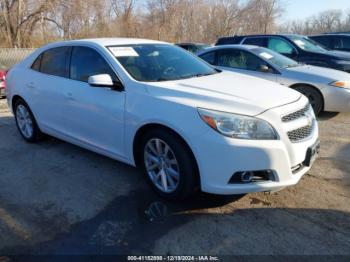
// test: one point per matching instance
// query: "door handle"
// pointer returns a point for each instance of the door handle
(69, 96)
(31, 85)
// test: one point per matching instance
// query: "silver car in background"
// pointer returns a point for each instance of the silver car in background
(327, 89)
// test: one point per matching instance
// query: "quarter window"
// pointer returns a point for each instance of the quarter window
(55, 61)
(36, 64)
(87, 62)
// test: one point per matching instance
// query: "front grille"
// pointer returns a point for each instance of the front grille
(303, 132)
(300, 133)
(297, 114)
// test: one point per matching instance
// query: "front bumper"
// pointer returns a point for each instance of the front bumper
(336, 99)
(221, 157)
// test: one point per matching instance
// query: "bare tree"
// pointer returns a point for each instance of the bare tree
(34, 22)
(20, 17)
(327, 21)
(123, 10)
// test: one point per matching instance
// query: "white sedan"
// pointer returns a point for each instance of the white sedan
(154, 105)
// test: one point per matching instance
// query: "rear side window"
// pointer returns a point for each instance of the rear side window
(87, 62)
(209, 57)
(258, 41)
(342, 42)
(55, 61)
(323, 40)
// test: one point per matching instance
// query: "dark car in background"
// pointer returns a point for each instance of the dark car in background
(193, 47)
(334, 41)
(300, 48)
(2, 83)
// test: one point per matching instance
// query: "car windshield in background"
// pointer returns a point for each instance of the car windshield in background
(274, 57)
(307, 44)
(160, 62)
(199, 47)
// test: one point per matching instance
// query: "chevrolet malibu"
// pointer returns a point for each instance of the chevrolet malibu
(153, 105)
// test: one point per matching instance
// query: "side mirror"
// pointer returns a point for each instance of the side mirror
(103, 80)
(265, 69)
(292, 54)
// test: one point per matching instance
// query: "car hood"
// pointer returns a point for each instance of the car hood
(338, 55)
(317, 74)
(226, 91)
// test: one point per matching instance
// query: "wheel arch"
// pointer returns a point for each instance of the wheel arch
(293, 86)
(144, 129)
(15, 98)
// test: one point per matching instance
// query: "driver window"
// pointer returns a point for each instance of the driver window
(231, 58)
(87, 62)
(280, 46)
(239, 59)
(252, 62)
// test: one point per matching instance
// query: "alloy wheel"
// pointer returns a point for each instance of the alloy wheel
(161, 165)
(24, 121)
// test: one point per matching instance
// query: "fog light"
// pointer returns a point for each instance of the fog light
(252, 176)
(247, 177)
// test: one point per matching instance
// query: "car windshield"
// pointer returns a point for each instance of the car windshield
(274, 58)
(200, 47)
(307, 44)
(160, 62)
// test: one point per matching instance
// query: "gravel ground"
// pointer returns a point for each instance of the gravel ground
(56, 198)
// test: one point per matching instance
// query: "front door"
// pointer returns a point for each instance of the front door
(93, 115)
(243, 62)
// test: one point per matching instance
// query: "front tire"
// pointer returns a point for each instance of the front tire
(168, 164)
(26, 123)
(315, 98)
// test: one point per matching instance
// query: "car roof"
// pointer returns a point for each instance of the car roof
(241, 47)
(191, 43)
(109, 41)
(263, 35)
(332, 34)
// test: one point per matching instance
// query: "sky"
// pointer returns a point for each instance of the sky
(300, 9)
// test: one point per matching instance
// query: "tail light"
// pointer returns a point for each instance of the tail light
(2, 79)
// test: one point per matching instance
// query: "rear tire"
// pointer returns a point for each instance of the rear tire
(314, 96)
(26, 122)
(168, 164)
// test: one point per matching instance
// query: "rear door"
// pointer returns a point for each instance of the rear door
(49, 75)
(342, 43)
(93, 115)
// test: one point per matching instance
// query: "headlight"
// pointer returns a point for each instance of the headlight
(343, 84)
(238, 126)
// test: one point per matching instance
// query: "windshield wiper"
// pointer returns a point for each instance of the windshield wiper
(207, 74)
(186, 76)
(289, 66)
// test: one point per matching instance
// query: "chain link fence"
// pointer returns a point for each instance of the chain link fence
(11, 56)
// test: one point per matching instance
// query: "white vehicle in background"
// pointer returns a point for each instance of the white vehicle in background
(327, 89)
(154, 105)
